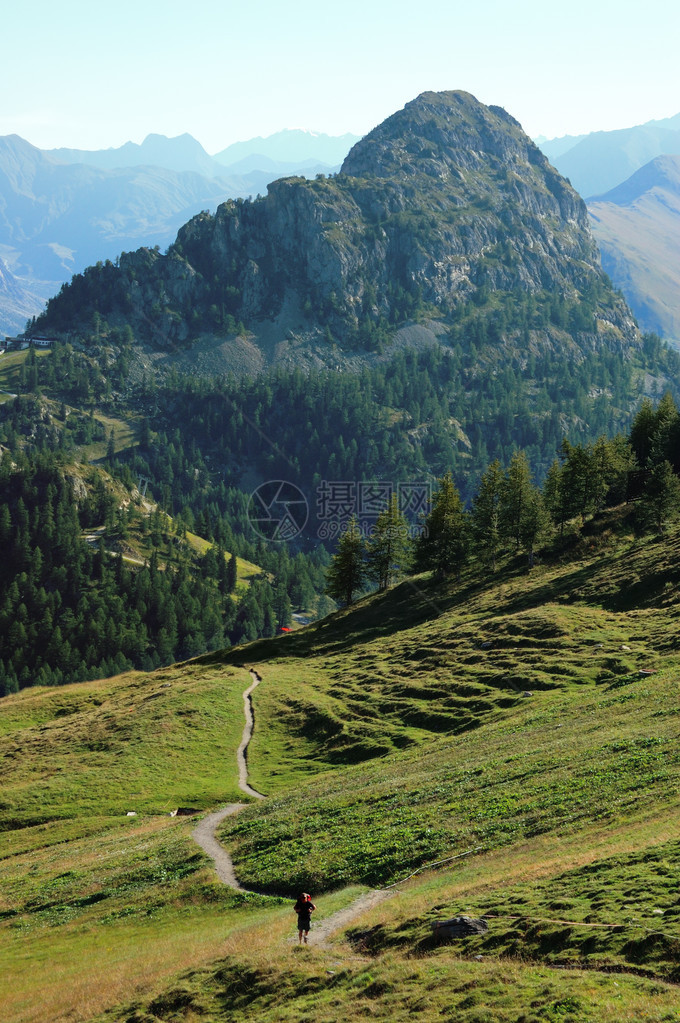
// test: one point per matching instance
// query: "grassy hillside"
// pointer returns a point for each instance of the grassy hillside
(424, 659)
(509, 742)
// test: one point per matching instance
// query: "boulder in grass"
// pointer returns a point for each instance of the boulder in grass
(459, 927)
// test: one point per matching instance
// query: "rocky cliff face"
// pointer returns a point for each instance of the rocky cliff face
(443, 204)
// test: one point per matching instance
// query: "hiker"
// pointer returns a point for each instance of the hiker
(304, 908)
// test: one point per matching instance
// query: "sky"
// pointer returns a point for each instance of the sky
(89, 75)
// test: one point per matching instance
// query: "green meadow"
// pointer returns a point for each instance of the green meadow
(503, 747)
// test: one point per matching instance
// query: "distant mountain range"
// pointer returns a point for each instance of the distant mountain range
(637, 227)
(598, 162)
(294, 146)
(630, 181)
(63, 210)
(283, 153)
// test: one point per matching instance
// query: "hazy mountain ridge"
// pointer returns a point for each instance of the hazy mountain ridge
(630, 177)
(637, 226)
(291, 146)
(18, 301)
(597, 162)
(62, 210)
(181, 153)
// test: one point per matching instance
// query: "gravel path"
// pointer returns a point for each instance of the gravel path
(204, 835)
(204, 832)
(242, 751)
(322, 929)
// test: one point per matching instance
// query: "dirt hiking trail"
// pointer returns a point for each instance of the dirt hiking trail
(204, 835)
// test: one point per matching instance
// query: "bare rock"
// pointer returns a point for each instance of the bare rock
(459, 927)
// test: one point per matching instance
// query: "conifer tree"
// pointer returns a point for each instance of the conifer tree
(652, 430)
(388, 550)
(517, 494)
(578, 480)
(282, 606)
(621, 464)
(347, 570)
(660, 500)
(486, 513)
(232, 571)
(444, 546)
(556, 500)
(535, 524)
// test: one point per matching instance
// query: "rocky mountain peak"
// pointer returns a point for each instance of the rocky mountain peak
(442, 205)
(438, 130)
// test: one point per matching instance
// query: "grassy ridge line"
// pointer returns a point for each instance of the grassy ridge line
(602, 899)
(324, 989)
(424, 659)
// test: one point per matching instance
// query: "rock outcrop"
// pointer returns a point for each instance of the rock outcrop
(442, 204)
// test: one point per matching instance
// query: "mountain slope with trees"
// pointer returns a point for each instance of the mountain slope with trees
(446, 211)
(62, 210)
(98, 576)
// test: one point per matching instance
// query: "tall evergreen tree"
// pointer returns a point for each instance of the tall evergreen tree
(579, 480)
(486, 513)
(659, 503)
(516, 495)
(388, 550)
(347, 570)
(535, 524)
(652, 430)
(444, 545)
(555, 498)
(282, 606)
(232, 570)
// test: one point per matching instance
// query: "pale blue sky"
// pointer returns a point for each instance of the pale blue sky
(88, 75)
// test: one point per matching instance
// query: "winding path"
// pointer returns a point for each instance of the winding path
(242, 751)
(204, 832)
(204, 835)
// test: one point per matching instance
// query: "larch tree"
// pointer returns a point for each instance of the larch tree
(389, 548)
(347, 570)
(535, 525)
(486, 513)
(517, 493)
(444, 545)
(659, 503)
